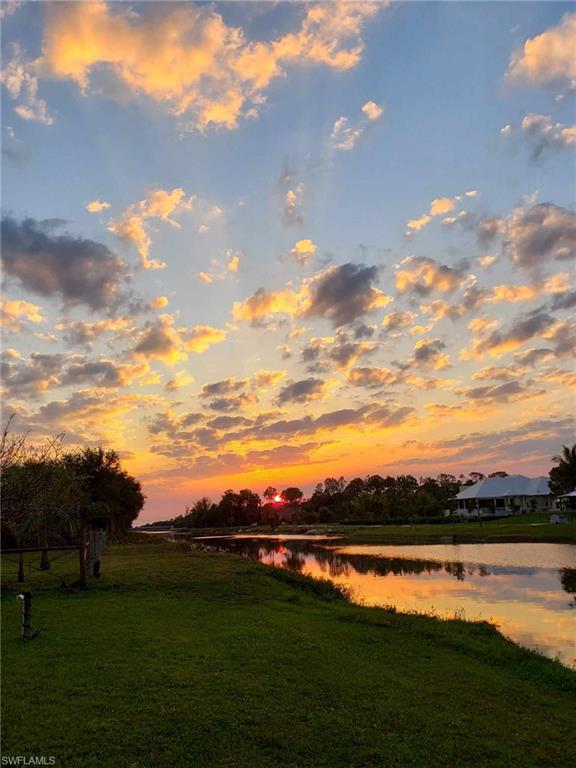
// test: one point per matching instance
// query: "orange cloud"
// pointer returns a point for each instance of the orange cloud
(371, 377)
(264, 303)
(340, 294)
(161, 340)
(420, 223)
(13, 314)
(424, 275)
(303, 251)
(201, 337)
(372, 110)
(428, 353)
(131, 225)
(264, 379)
(189, 59)
(438, 207)
(549, 57)
(96, 206)
(179, 380)
(159, 302)
(78, 332)
(441, 205)
(233, 261)
(500, 342)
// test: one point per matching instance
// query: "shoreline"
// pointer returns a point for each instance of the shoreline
(460, 533)
(199, 643)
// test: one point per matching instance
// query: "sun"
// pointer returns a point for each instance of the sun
(277, 498)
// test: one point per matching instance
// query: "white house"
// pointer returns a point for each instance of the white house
(510, 495)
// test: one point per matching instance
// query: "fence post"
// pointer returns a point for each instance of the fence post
(97, 542)
(27, 633)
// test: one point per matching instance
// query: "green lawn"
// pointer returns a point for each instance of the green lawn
(522, 528)
(185, 659)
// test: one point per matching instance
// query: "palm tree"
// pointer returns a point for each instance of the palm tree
(563, 475)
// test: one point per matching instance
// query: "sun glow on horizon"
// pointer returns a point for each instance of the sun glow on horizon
(220, 314)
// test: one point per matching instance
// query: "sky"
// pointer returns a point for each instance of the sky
(264, 243)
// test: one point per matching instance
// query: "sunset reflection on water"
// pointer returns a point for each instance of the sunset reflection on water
(528, 590)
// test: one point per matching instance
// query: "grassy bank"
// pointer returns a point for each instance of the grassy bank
(191, 659)
(522, 528)
(534, 527)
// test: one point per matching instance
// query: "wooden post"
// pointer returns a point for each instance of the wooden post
(21, 567)
(44, 561)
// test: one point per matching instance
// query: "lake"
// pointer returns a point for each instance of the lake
(527, 589)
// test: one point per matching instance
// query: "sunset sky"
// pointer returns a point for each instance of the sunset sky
(266, 243)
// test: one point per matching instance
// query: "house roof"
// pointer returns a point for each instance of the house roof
(513, 485)
(570, 495)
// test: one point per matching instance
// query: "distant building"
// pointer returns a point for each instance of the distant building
(510, 495)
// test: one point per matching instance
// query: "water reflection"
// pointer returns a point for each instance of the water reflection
(531, 603)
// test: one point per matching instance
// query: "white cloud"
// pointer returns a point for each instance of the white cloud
(544, 134)
(21, 81)
(345, 136)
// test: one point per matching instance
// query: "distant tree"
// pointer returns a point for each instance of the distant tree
(563, 475)
(292, 495)
(406, 483)
(354, 488)
(269, 516)
(242, 508)
(202, 514)
(270, 493)
(498, 474)
(375, 484)
(448, 486)
(318, 491)
(475, 477)
(333, 486)
(109, 491)
(249, 506)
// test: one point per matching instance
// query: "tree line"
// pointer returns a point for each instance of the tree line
(48, 496)
(371, 499)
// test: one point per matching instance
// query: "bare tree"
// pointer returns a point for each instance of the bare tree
(39, 493)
